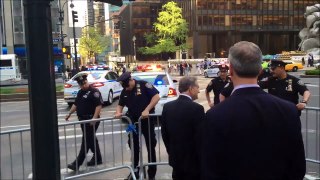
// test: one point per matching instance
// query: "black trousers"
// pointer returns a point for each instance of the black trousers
(90, 139)
(150, 143)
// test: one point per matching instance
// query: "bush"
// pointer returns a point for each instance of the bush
(313, 72)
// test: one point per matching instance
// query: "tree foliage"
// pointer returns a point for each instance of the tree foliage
(92, 42)
(171, 31)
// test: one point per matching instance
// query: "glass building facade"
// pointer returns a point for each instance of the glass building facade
(217, 24)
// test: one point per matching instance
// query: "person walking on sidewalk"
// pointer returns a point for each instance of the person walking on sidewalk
(179, 128)
(88, 105)
(140, 97)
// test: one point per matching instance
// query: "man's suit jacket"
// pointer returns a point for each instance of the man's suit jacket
(252, 135)
(179, 127)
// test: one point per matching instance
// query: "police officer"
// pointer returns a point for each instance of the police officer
(217, 84)
(140, 97)
(285, 86)
(88, 105)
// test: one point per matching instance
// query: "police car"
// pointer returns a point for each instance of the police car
(163, 82)
(104, 80)
(212, 71)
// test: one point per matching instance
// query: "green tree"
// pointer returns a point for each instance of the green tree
(171, 31)
(92, 43)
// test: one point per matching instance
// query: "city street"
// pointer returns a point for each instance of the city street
(15, 115)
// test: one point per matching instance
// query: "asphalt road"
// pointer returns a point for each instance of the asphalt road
(15, 115)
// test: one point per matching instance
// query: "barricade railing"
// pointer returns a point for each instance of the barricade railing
(160, 148)
(16, 159)
(310, 126)
(310, 122)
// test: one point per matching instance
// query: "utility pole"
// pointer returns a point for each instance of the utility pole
(61, 17)
(42, 90)
(75, 19)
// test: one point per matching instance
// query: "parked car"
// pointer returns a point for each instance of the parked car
(104, 80)
(293, 66)
(212, 71)
(163, 82)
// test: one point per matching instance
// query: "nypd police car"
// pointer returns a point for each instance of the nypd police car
(212, 71)
(104, 80)
(163, 82)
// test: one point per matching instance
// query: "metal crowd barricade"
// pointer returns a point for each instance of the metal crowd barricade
(310, 126)
(160, 148)
(18, 149)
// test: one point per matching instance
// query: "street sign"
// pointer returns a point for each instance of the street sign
(64, 35)
(56, 39)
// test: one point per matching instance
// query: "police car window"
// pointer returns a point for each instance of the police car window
(113, 75)
(109, 76)
(160, 79)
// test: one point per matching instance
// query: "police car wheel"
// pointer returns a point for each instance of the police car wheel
(110, 98)
(205, 74)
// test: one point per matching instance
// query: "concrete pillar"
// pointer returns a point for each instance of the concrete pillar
(8, 21)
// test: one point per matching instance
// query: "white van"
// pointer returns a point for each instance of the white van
(9, 69)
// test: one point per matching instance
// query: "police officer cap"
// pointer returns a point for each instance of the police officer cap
(277, 63)
(223, 68)
(124, 77)
(81, 79)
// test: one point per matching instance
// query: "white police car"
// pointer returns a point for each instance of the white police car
(212, 71)
(104, 80)
(163, 82)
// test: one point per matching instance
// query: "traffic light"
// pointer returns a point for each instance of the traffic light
(123, 25)
(116, 25)
(112, 2)
(66, 50)
(75, 16)
(68, 56)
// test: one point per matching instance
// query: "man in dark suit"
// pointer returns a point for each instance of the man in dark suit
(252, 134)
(180, 121)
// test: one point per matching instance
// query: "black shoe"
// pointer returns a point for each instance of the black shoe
(73, 166)
(92, 162)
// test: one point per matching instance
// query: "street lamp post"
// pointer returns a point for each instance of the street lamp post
(134, 48)
(61, 18)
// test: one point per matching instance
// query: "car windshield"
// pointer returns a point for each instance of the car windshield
(155, 79)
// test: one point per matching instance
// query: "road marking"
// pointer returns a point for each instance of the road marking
(312, 85)
(309, 177)
(100, 134)
(15, 126)
(12, 111)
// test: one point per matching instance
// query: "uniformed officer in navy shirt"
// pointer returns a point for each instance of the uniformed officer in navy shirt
(285, 86)
(88, 105)
(140, 97)
(217, 84)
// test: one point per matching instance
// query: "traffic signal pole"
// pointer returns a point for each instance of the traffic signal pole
(75, 19)
(42, 90)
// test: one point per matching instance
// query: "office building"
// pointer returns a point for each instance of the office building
(214, 25)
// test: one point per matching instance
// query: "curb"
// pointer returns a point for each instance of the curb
(21, 97)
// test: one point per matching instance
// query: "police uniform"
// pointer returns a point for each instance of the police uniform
(227, 90)
(217, 84)
(288, 88)
(136, 101)
(86, 103)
